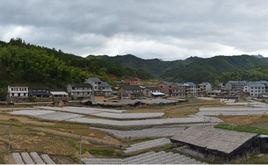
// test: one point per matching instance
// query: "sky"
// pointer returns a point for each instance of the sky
(164, 29)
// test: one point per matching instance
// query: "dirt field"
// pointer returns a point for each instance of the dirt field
(62, 140)
(54, 138)
(179, 110)
(245, 120)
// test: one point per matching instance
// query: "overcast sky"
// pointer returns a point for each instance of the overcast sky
(165, 29)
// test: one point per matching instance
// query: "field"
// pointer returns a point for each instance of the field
(53, 138)
(180, 110)
(62, 139)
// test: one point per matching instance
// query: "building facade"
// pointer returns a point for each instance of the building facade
(235, 86)
(18, 92)
(152, 91)
(58, 96)
(131, 91)
(166, 87)
(39, 94)
(255, 89)
(190, 89)
(203, 89)
(100, 88)
(80, 91)
(178, 90)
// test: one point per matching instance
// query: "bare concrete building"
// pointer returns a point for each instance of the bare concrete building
(254, 89)
(203, 89)
(80, 91)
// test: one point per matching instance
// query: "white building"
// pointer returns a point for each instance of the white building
(190, 89)
(214, 93)
(59, 95)
(80, 90)
(100, 88)
(235, 86)
(94, 81)
(203, 88)
(254, 89)
(18, 91)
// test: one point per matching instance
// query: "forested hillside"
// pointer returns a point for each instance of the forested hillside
(218, 68)
(22, 63)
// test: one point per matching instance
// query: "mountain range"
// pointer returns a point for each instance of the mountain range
(196, 69)
(24, 63)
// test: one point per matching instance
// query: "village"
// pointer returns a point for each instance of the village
(135, 122)
(95, 91)
(133, 82)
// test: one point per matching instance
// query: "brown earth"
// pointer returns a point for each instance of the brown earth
(54, 138)
(179, 110)
(244, 120)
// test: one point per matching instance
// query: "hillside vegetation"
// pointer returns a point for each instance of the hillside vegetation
(22, 63)
(215, 69)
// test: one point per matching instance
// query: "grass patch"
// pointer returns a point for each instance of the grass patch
(178, 110)
(104, 152)
(130, 141)
(257, 159)
(242, 128)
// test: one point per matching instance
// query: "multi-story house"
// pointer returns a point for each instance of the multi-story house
(255, 89)
(190, 89)
(131, 91)
(166, 87)
(203, 88)
(100, 88)
(265, 83)
(178, 90)
(215, 93)
(105, 89)
(235, 86)
(40, 94)
(18, 92)
(80, 91)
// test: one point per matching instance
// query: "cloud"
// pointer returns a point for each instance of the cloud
(174, 29)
